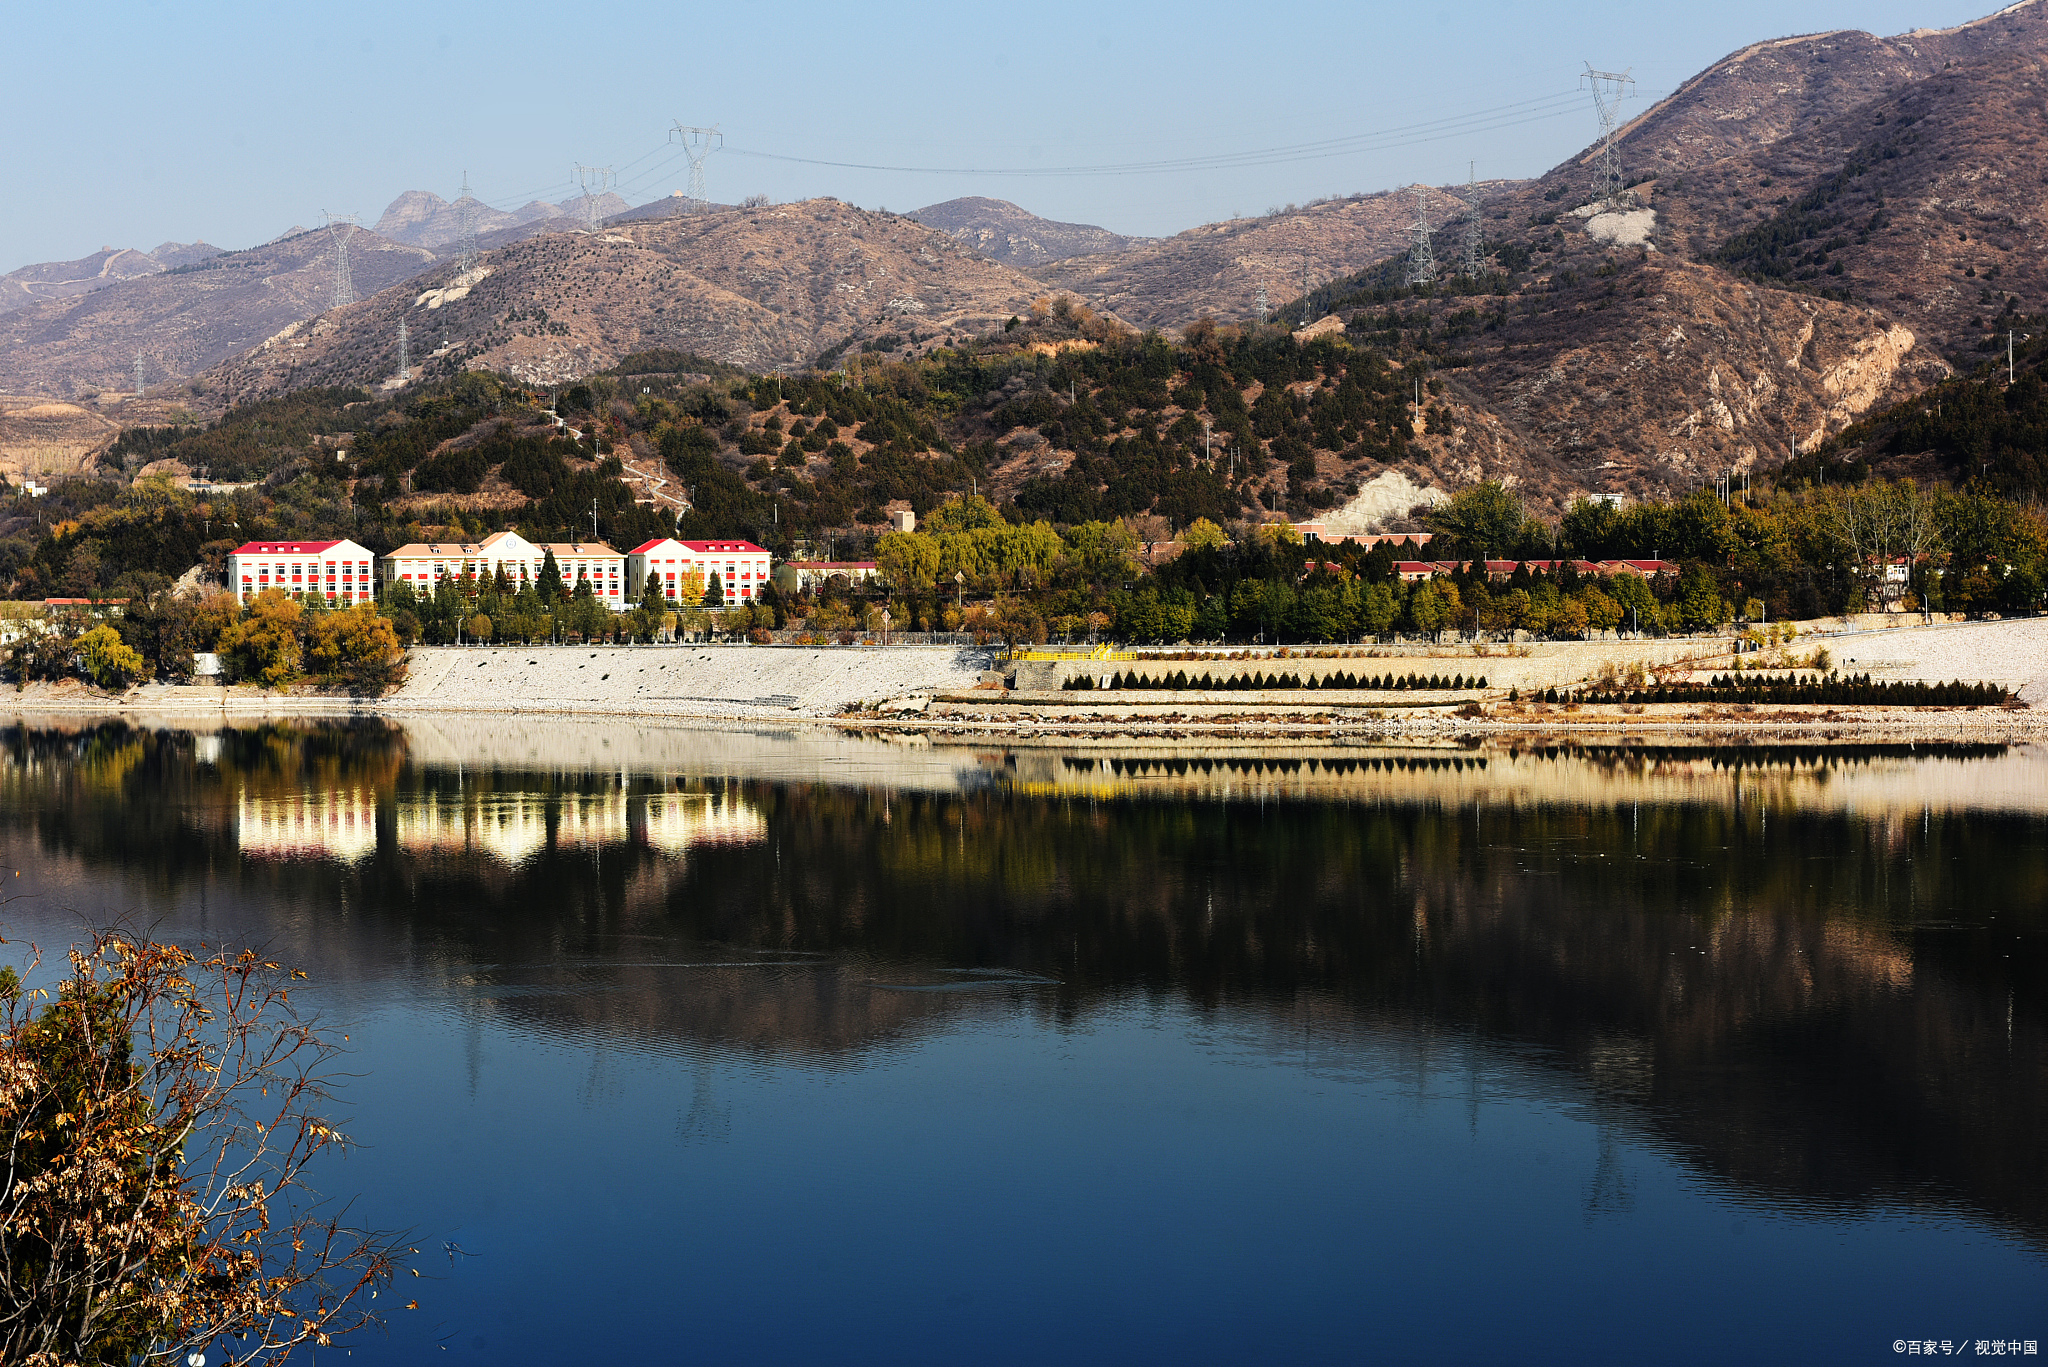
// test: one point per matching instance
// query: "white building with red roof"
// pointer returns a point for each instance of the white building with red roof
(339, 571)
(423, 564)
(741, 567)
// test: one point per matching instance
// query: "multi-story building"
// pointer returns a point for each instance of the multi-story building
(340, 571)
(741, 567)
(424, 564)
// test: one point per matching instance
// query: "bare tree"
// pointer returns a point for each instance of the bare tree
(158, 1111)
(1875, 524)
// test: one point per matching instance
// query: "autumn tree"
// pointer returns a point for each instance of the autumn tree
(160, 1109)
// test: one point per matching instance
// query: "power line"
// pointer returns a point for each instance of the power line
(1486, 120)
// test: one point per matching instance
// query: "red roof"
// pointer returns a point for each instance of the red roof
(283, 547)
(647, 546)
(743, 547)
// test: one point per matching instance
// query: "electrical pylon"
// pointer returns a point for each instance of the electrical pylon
(698, 145)
(138, 374)
(1421, 256)
(338, 226)
(1609, 89)
(465, 224)
(601, 178)
(1260, 308)
(404, 352)
(1474, 260)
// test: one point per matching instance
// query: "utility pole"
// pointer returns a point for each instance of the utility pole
(698, 145)
(595, 180)
(465, 223)
(338, 227)
(1609, 89)
(593, 515)
(1471, 264)
(1421, 256)
(1205, 441)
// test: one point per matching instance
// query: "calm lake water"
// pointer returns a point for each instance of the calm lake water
(770, 1047)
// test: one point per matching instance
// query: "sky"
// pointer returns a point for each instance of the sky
(147, 121)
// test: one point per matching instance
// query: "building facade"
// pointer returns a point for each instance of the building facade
(741, 567)
(423, 564)
(339, 571)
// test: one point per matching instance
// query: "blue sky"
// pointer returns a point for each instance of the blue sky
(136, 123)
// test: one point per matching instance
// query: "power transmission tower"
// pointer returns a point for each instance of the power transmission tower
(1421, 256)
(1307, 302)
(1474, 260)
(595, 180)
(338, 226)
(1609, 89)
(698, 145)
(138, 374)
(465, 224)
(1260, 307)
(404, 352)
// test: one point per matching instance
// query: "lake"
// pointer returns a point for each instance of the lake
(775, 1045)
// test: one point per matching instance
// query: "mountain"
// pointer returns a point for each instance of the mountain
(1218, 269)
(188, 317)
(421, 218)
(107, 266)
(1003, 232)
(756, 287)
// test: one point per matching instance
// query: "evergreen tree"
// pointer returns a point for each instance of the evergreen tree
(552, 589)
(651, 596)
(714, 595)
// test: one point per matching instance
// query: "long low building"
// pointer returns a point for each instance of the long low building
(424, 564)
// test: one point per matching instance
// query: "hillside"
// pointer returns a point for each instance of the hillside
(760, 288)
(108, 266)
(1216, 270)
(421, 218)
(187, 318)
(1003, 232)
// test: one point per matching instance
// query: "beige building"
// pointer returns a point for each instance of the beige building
(423, 564)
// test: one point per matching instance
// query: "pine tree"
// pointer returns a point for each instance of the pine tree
(714, 595)
(552, 589)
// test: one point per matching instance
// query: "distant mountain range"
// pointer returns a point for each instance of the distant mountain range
(1817, 226)
(107, 266)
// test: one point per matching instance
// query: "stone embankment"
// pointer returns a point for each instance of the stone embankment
(680, 681)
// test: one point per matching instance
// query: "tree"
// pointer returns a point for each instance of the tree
(263, 644)
(550, 585)
(359, 647)
(651, 596)
(1202, 534)
(1486, 520)
(714, 596)
(108, 661)
(160, 1111)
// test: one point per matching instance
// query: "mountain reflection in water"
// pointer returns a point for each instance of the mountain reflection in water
(1811, 973)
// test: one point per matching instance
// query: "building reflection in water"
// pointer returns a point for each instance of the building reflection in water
(509, 826)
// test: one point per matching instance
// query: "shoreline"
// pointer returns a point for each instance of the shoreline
(1343, 722)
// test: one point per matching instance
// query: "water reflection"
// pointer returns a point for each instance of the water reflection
(1814, 973)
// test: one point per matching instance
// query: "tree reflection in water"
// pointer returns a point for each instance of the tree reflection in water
(1813, 971)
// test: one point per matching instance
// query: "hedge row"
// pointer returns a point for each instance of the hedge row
(1859, 691)
(1180, 680)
